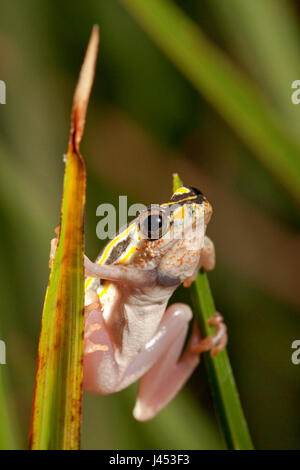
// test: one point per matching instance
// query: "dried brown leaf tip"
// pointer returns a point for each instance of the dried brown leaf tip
(83, 90)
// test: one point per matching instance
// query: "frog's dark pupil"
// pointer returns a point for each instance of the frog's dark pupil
(153, 224)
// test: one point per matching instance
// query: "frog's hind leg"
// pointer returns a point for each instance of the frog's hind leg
(167, 376)
(102, 373)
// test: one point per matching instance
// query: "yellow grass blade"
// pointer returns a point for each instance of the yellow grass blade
(56, 412)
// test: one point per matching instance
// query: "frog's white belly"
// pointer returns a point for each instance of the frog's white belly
(133, 316)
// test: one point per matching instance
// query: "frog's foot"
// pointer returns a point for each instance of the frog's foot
(215, 343)
(53, 247)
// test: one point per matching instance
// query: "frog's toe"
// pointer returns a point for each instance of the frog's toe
(142, 412)
(215, 343)
(53, 247)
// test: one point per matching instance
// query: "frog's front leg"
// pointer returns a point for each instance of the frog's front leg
(207, 260)
(136, 276)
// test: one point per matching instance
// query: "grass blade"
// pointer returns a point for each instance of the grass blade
(56, 412)
(224, 390)
(224, 86)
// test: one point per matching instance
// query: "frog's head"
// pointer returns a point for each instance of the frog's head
(173, 234)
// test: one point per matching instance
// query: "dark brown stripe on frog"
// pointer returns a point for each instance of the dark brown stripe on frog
(118, 250)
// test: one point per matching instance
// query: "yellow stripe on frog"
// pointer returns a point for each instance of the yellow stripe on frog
(108, 249)
(182, 190)
(125, 258)
(179, 201)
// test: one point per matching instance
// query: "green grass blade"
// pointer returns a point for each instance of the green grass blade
(224, 390)
(56, 413)
(224, 86)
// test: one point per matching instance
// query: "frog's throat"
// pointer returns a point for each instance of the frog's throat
(165, 280)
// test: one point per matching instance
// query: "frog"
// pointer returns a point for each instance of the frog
(131, 332)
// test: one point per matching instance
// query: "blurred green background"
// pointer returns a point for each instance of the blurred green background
(145, 121)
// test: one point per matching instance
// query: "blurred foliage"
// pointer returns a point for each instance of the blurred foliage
(224, 86)
(145, 122)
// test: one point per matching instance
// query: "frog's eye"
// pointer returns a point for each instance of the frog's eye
(153, 223)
